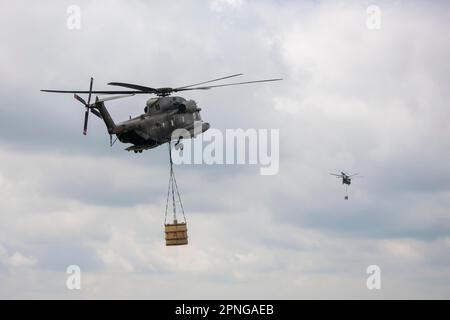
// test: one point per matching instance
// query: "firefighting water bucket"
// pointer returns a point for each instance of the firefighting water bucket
(176, 233)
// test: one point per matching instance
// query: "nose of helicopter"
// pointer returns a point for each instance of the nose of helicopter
(205, 126)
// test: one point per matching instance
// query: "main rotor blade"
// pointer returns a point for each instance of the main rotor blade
(147, 90)
(226, 85)
(337, 175)
(352, 175)
(223, 78)
(132, 86)
(111, 98)
(97, 92)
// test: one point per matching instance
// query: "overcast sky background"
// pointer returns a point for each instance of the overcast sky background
(355, 99)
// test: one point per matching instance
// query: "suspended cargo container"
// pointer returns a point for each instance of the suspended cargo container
(176, 234)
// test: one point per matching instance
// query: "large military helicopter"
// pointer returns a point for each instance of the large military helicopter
(346, 179)
(162, 115)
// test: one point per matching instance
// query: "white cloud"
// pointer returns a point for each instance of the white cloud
(16, 259)
(221, 5)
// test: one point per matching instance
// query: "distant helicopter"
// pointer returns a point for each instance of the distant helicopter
(162, 115)
(346, 179)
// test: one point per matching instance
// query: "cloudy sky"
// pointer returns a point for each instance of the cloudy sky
(353, 98)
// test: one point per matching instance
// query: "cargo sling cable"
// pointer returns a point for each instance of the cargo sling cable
(176, 233)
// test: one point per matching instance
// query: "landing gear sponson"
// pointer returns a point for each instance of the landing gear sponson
(139, 149)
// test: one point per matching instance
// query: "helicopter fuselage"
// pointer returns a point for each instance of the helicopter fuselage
(346, 180)
(155, 126)
(162, 115)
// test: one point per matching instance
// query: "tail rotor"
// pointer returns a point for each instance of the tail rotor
(87, 105)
